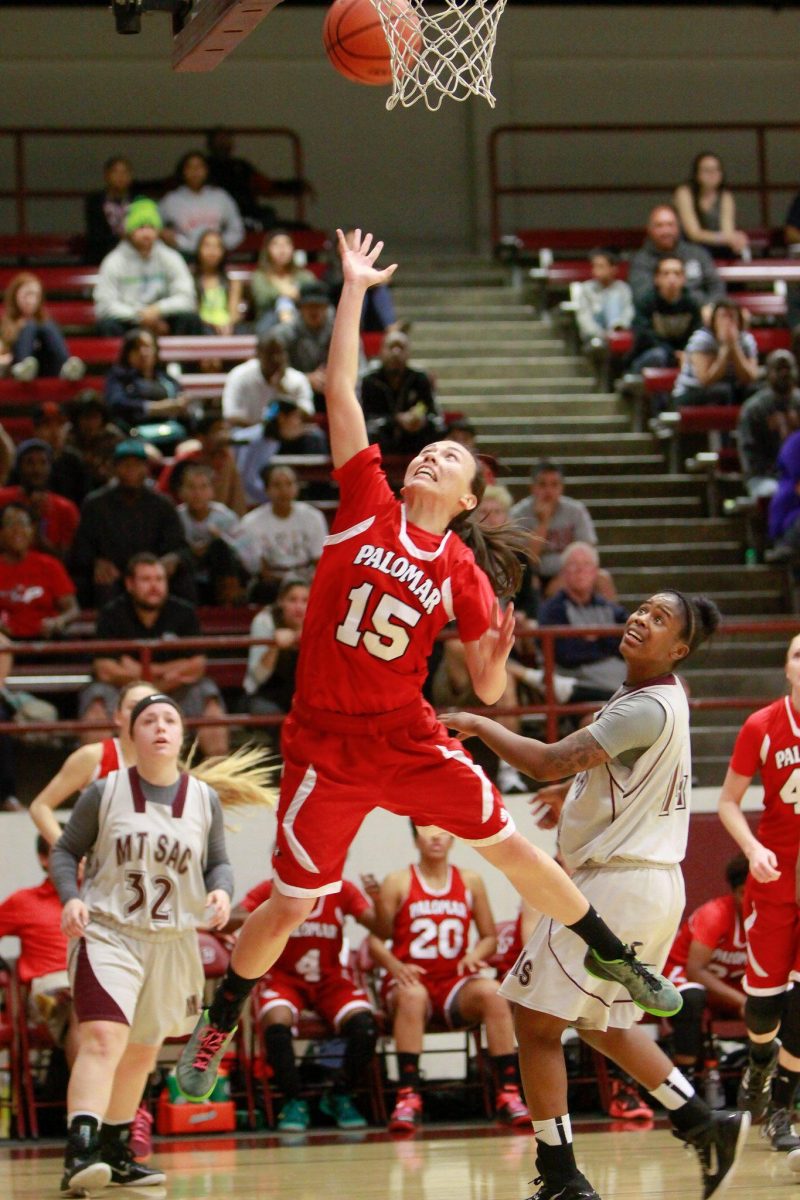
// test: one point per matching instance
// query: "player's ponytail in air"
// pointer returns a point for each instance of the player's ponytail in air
(702, 618)
(499, 550)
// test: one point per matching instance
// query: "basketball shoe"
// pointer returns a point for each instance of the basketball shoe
(718, 1144)
(141, 1141)
(756, 1085)
(576, 1189)
(510, 1108)
(407, 1113)
(647, 989)
(778, 1130)
(85, 1172)
(294, 1117)
(196, 1069)
(340, 1106)
(626, 1104)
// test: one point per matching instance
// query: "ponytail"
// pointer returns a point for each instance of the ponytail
(241, 779)
(499, 550)
(702, 618)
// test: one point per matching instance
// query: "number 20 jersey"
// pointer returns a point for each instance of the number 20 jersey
(382, 591)
(769, 742)
(431, 928)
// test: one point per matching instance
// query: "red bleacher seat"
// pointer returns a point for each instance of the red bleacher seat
(659, 379)
(620, 342)
(769, 339)
(22, 247)
(707, 418)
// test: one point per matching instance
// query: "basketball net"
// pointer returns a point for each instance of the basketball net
(447, 52)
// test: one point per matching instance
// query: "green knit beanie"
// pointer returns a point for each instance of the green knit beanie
(142, 211)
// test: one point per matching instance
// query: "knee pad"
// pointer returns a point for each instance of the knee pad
(762, 1014)
(790, 1023)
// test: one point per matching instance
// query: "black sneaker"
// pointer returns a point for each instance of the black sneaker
(647, 989)
(755, 1086)
(85, 1172)
(718, 1144)
(576, 1189)
(778, 1130)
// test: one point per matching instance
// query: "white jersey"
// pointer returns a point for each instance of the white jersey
(639, 814)
(145, 870)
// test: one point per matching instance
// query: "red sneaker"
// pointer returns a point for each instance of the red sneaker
(141, 1139)
(626, 1104)
(407, 1113)
(510, 1108)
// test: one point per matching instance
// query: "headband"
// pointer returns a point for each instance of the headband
(146, 701)
(691, 620)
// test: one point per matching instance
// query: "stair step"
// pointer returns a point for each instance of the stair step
(521, 368)
(551, 444)
(690, 507)
(733, 603)
(567, 388)
(433, 332)
(638, 532)
(711, 578)
(670, 555)
(485, 314)
(514, 409)
(498, 296)
(485, 347)
(586, 470)
(489, 429)
(719, 681)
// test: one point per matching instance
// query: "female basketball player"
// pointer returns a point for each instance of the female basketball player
(623, 831)
(360, 735)
(157, 869)
(93, 761)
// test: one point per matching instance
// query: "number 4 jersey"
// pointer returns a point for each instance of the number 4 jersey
(769, 742)
(382, 591)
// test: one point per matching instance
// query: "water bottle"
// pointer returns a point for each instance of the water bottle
(751, 557)
(713, 1089)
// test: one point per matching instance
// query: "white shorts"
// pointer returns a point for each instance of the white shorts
(640, 904)
(154, 986)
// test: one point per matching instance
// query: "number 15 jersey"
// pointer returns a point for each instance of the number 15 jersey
(382, 591)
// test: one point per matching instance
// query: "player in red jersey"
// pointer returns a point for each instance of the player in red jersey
(360, 735)
(309, 974)
(706, 964)
(432, 972)
(90, 762)
(769, 742)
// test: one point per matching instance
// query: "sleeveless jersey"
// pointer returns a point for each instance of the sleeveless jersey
(639, 814)
(769, 742)
(314, 950)
(145, 871)
(431, 927)
(382, 591)
(718, 926)
(110, 759)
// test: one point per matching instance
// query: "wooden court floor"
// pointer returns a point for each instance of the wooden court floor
(438, 1165)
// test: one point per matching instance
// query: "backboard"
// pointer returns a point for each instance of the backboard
(212, 29)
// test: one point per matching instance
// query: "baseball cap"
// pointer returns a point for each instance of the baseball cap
(130, 448)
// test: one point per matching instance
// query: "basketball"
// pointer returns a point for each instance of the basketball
(356, 44)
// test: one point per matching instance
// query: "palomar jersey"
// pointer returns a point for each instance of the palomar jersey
(431, 927)
(111, 759)
(383, 589)
(769, 742)
(717, 925)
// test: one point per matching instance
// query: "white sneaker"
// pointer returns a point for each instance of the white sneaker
(73, 369)
(563, 685)
(26, 369)
(509, 780)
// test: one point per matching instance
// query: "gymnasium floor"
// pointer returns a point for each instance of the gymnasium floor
(439, 1164)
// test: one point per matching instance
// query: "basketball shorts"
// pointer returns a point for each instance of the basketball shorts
(641, 904)
(337, 769)
(442, 997)
(154, 986)
(334, 998)
(772, 925)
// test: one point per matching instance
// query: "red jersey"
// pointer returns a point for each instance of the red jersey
(769, 742)
(34, 916)
(111, 759)
(382, 591)
(56, 517)
(314, 949)
(431, 927)
(30, 590)
(718, 926)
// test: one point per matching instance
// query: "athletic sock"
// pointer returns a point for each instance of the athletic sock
(84, 1118)
(593, 930)
(115, 1132)
(280, 1056)
(408, 1070)
(684, 1107)
(229, 1000)
(505, 1070)
(760, 1053)
(784, 1086)
(555, 1155)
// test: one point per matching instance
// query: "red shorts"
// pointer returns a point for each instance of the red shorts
(772, 923)
(442, 994)
(334, 998)
(337, 769)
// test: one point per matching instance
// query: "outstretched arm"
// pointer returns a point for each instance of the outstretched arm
(577, 752)
(347, 429)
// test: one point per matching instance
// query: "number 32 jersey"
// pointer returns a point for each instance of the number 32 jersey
(769, 742)
(382, 591)
(431, 927)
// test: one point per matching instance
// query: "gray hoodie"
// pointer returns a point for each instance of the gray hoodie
(127, 283)
(702, 279)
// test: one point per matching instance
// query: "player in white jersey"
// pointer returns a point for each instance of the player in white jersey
(156, 869)
(623, 830)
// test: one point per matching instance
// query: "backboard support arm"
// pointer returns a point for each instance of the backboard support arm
(213, 29)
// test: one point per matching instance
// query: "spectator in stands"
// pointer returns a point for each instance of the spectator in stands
(213, 535)
(594, 662)
(269, 680)
(105, 210)
(602, 303)
(252, 386)
(195, 206)
(92, 436)
(398, 401)
(31, 344)
(288, 534)
(55, 519)
(275, 284)
(555, 520)
(146, 610)
(37, 596)
(720, 364)
(664, 237)
(308, 337)
(791, 235)
(210, 445)
(33, 915)
(143, 283)
(68, 473)
(287, 430)
(765, 422)
(120, 520)
(245, 182)
(665, 318)
(707, 209)
(706, 964)
(378, 314)
(137, 388)
(219, 298)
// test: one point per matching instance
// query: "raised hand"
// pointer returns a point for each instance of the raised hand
(359, 258)
(498, 639)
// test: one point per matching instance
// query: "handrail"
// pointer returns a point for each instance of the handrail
(21, 193)
(763, 186)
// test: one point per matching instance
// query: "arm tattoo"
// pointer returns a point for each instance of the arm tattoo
(577, 752)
